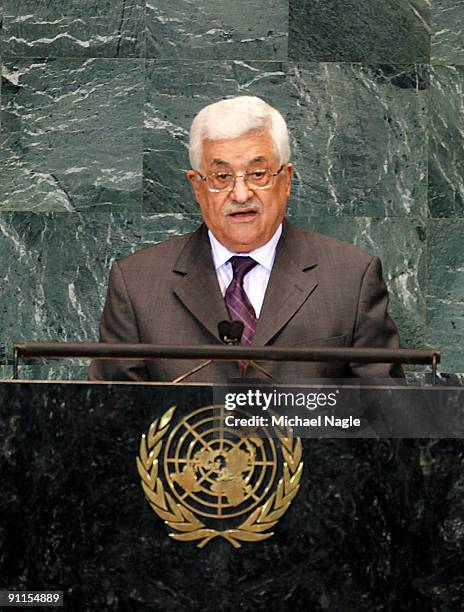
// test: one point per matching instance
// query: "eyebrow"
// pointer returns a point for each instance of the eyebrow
(220, 162)
(260, 158)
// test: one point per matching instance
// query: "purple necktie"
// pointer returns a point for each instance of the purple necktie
(237, 302)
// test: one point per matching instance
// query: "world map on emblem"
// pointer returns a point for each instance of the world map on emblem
(216, 471)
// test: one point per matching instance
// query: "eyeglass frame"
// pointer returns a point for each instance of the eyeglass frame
(235, 177)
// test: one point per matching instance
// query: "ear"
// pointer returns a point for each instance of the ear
(288, 173)
(195, 182)
(192, 176)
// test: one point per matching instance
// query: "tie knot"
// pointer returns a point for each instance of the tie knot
(241, 266)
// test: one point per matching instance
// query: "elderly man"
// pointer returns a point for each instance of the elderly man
(289, 287)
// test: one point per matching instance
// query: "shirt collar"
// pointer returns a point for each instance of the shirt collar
(264, 254)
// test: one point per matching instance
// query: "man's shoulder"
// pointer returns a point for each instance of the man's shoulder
(162, 254)
(330, 249)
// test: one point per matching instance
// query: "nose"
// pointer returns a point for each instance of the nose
(241, 192)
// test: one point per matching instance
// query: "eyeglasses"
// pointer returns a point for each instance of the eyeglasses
(260, 178)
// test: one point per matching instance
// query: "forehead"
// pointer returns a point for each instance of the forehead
(242, 151)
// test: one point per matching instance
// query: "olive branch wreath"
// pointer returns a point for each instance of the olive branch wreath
(188, 527)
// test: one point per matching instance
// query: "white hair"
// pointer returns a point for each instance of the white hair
(234, 117)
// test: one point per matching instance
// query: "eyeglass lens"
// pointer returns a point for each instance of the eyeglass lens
(223, 180)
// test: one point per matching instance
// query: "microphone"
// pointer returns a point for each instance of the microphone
(236, 331)
(230, 332)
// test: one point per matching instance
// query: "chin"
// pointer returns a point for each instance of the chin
(244, 236)
(245, 246)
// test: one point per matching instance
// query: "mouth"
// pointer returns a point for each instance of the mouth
(244, 215)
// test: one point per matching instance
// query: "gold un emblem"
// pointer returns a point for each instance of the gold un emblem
(207, 480)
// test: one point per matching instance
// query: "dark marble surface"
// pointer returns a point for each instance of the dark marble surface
(385, 31)
(54, 273)
(377, 525)
(446, 142)
(217, 30)
(71, 135)
(447, 18)
(44, 370)
(445, 292)
(94, 28)
(139, 28)
(158, 226)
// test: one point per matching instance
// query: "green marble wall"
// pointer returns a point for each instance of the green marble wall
(96, 100)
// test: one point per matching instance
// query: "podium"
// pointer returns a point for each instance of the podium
(377, 524)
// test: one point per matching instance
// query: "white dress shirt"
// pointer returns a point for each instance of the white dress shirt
(255, 282)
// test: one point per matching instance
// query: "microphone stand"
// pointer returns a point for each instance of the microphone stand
(192, 371)
(230, 333)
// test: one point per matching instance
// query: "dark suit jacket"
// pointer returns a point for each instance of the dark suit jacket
(322, 292)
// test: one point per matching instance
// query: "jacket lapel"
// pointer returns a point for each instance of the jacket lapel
(293, 279)
(198, 287)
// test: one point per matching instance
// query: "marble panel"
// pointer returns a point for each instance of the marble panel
(159, 227)
(54, 275)
(217, 30)
(414, 377)
(424, 377)
(385, 31)
(5, 372)
(73, 28)
(357, 132)
(48, 370)
(71, 135)
(401, 246)
(455, 380)
(446, 149)
(445, 293)
(447, 20)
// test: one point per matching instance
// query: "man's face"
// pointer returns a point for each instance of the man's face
(242, 219)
